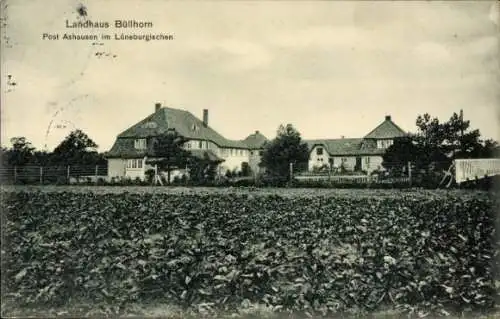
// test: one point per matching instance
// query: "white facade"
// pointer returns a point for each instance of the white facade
(117, 167)
(233, 157)
(319, 157)
(136, 167)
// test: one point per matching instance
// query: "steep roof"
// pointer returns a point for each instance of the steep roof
(255, 141)
(386, 129)
(344, 146)
(185, 123)
(124, 147)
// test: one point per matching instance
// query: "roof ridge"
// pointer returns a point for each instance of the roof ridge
(387, 121)
(376, 128)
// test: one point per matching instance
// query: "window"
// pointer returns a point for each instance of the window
(150, 125)
(251, 152)
(261, 153)
(367, 160)
(384, 143)
(140, 144)
(134, 163)
(200, 144)
(319, 151)
(188, 145)
(344, 159)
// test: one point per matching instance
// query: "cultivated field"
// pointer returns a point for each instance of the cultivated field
(284, 192)
(267, 252)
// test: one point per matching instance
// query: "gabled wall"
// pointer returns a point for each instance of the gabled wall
(116, 167)
(316, 160)
(233, 158)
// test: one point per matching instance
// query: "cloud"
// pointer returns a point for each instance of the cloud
(431, 52)
(493, 14)
(482, 46)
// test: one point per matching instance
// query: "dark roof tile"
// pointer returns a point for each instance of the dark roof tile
(183, 122)
(386, 129)
(345, 147)
(255, 141)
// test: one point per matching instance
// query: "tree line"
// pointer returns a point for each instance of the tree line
(436, 144)
(76, 149)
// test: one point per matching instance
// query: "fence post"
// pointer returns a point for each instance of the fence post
(96, 172)
(68, 174)
(15, 174)
(155, 180)
(41, 175)
(409, 173)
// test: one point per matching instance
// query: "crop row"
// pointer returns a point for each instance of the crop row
(319, 255)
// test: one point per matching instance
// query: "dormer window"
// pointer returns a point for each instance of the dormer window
(150, 125)
(319, 151)
(140, 144)
(384, 143)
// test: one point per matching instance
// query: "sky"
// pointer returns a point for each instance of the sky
(331, 69)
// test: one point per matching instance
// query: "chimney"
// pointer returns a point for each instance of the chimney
(157, 106)
(342, 136)
(205, 117)
(387, 117)
(257, 132)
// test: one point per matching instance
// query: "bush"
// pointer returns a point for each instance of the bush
(150, 175)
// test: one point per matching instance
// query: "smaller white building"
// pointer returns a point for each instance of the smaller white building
(354, 154)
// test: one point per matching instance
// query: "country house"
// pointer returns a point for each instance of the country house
(129, 154)
(133, 147)
(360, 154)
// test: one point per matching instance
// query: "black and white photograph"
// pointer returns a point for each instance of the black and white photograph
(250, 159)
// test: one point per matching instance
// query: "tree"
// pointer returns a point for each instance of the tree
(402, 151)
(437, 144)
(453, 138)
(202, 170)
(460, 142)
(287, 148)
(246, 170)
(490, 149)
(20, 153)
(77, 148)
(169, 150)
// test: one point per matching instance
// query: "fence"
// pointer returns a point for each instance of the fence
(52, 174)
(470, 169)
(335, 176)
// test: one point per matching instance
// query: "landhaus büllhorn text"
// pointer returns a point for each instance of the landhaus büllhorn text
(105, 24)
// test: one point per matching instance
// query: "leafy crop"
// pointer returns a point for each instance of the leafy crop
(314, 255)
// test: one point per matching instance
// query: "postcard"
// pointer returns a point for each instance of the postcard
(237, 158)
